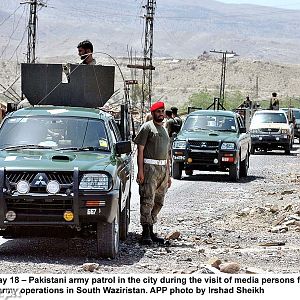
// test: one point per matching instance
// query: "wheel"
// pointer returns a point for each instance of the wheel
(287, 150)
(252, 150)
(234, 171)
(244, 166)
(108, 238)
(176, 170)
(125, 219)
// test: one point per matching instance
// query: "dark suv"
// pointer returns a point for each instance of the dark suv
(212, 140)
(65, 169)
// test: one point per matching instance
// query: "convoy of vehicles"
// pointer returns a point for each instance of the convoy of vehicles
(212, 140)
(66, 165)
(270, 129)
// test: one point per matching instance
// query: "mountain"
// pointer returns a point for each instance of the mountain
(182, 29)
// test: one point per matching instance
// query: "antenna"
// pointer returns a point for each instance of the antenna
(32, 25)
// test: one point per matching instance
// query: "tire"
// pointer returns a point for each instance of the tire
(125, 219)
(287, 149)
(244, 166)
(108, 238)
(234, 171)
(176, 170)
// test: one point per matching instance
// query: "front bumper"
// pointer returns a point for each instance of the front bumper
(211, 160)
(271, 141)
(42, 209)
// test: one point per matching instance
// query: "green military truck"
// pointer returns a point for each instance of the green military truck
(212, 140)
(65, 169)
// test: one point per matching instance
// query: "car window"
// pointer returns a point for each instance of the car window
(53, 132)
(209, 122)
(116, 130)
(269, 118)
(297, 114)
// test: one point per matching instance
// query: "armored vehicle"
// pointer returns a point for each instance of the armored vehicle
(66, 169)
(212, 140)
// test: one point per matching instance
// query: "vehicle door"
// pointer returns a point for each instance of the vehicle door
(244, 138)
(123, 164)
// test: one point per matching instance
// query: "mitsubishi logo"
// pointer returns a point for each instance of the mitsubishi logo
(203, 145)
(40, 180)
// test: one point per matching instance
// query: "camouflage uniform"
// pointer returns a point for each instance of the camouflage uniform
(155, 139)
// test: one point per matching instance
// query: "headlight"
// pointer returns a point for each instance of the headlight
(227, 146)
(53, 187)
(285, 131)
(23, 187)
(179, 144)
(254, 131)
(94, 182)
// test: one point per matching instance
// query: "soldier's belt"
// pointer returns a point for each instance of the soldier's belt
(158, 162)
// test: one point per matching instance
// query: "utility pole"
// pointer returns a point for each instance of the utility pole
(148, 51)
(223, 72)
(32, 25)
(256, 87)
(147, 66)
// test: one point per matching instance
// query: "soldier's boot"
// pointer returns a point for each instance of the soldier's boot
(146, 237)
(155, 238)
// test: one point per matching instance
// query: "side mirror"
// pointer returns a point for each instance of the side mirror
(243, 130)
(123, 147)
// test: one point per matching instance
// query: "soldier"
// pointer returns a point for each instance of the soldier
(274, 102)
(169, 124)
(153, 171)
(177, 119)
(85, 51)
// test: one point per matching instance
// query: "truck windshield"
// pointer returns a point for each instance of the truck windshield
(297, 114)
(54, 132)
(269, 118)
(209, 122)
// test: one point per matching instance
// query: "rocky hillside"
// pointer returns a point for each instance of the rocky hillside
(174, 81)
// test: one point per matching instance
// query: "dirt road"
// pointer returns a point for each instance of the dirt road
(253, 222)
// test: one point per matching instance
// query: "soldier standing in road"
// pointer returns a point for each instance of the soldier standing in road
(153, 171)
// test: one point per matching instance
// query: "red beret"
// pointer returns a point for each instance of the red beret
(157, 105)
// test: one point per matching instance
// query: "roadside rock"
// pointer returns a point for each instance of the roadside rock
(214, 262)
(90, 267)
(173, 235)
(231, 268)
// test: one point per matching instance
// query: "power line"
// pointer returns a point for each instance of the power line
(13, 13)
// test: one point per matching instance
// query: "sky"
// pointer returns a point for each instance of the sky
(286, 4)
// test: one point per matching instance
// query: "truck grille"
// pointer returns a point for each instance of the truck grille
(61, 177)
(270, 130)
(210, 145)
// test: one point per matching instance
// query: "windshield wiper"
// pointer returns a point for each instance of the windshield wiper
(29, 146)
(82, 149)
(231, 130)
